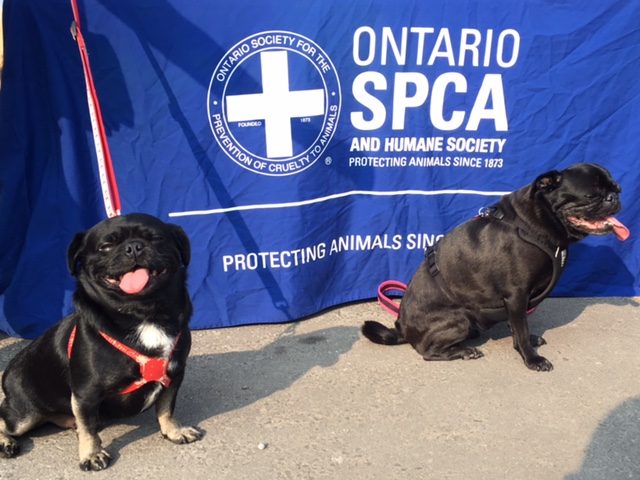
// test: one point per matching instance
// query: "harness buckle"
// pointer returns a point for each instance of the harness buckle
(494, 212)
(155, 370)
(431, 261)
(484, 212)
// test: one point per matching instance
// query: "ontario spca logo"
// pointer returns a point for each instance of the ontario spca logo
(274, 103)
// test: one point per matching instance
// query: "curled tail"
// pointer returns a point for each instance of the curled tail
(378, 333)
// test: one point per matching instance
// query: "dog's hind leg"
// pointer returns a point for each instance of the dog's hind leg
(443, 339)
(9, 447)
(63, 421)
(13, 424)
(454, 352)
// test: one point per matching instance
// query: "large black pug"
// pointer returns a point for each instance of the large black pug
(501, 264)
(123, 349)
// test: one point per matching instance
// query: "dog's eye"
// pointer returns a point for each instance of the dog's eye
(105, 247)
(158, 238)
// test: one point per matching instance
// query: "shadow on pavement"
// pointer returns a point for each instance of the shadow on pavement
(219, 383)
(547, 316)
(615, 446)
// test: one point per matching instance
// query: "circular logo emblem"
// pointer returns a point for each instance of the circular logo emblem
(274, 102)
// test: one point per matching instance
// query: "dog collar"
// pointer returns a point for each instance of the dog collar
(552, 249)
(152, 369)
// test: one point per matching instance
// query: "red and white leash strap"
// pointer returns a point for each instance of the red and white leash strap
(385, 301)
(106, 172)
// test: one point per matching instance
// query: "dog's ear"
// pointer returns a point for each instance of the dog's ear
(183, 244)
(75, 252)
(548, 181)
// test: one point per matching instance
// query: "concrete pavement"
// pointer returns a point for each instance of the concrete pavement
(315, 400)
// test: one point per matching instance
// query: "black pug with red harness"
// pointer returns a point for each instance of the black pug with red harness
(123, 349)
(500, 265)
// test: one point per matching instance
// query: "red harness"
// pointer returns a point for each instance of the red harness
(152, 369)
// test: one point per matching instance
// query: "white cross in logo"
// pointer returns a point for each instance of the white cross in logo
(276, 105)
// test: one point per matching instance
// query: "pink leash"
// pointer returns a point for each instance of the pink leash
(387, 302)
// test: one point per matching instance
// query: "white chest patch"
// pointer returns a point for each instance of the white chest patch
(153, 337)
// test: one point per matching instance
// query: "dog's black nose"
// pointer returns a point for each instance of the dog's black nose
(133, 248)
(611, 197)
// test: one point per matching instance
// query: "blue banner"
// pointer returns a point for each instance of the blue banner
(310, 150)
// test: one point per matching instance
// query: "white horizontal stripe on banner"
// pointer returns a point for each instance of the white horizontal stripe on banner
(334, 197)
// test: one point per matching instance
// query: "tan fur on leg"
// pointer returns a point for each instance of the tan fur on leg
(8, 445)
(92, 455)
(169, 426)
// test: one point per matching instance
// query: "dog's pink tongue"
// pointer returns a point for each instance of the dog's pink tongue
(619, 229)
(134, 282)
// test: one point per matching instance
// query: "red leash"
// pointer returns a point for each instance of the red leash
(108, 182)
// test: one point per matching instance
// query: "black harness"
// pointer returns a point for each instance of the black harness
(556, 253)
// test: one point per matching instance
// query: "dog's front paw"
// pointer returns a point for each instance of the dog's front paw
(539, 364)
(9, 447)
(96, 461)
(184, 435)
